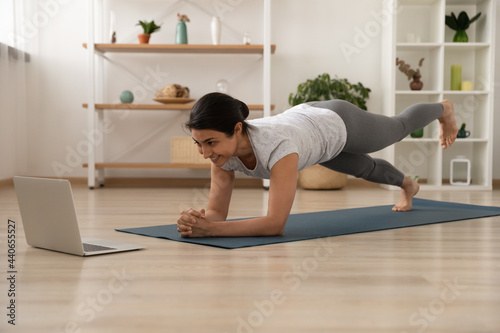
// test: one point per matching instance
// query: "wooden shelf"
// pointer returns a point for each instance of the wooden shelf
(466, 92)
(466, 46)
(417, 140)
(436, 141)
(437, 92)
(424, 156)
(150, 165)
(417, 92)
(140, 106)
(181, 48)
(176, 107)
(185, 54)
(417, 46)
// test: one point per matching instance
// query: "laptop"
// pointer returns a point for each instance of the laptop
(49, 219)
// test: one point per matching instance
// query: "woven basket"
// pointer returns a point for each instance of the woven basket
(183, 150)
(318, 177)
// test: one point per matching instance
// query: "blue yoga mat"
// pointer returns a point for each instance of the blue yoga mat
(337, 222)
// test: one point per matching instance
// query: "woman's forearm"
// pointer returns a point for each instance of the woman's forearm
(215, 216)
(260, 226)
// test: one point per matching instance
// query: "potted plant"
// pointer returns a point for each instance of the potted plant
(410, 73)
(460, 24)
(149, 28)
(322, 88)
(416, 84)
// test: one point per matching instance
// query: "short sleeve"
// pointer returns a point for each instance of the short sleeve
(230, 165)
(285, 148)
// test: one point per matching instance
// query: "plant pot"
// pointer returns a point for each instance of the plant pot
(462, 134)
(417, 134)
(144, 38)
(460, 37)
(416, 84)
(318, 177)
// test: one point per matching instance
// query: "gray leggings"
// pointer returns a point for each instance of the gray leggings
(368, 133)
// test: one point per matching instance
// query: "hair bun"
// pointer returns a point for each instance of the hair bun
(218, 112)
(244, 110)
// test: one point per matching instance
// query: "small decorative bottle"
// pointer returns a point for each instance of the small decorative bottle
(222, 86)
(181, 31)
(246, 38)
(215, 29)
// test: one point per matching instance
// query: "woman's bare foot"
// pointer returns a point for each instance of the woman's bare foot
(409, 189)
(447, 125)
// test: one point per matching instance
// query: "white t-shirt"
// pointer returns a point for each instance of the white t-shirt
(315, 134)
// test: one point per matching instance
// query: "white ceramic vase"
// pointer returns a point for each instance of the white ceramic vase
(215, 29)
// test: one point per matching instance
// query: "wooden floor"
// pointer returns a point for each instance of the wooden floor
(436, 278)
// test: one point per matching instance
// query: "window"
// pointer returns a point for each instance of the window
(7, 15)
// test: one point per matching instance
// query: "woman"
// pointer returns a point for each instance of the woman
(335, 134)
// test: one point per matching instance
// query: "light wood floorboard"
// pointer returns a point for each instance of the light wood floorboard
(435, 278)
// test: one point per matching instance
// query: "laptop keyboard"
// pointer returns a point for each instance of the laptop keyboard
(93, 248)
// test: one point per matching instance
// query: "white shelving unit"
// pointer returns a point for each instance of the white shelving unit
(96, 107)
(416, 29)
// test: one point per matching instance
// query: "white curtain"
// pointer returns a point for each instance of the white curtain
(17, 86)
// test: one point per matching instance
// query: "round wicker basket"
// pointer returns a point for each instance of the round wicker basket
(318, 177)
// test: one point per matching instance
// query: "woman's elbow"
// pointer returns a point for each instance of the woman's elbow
(278, 227)
(274, 232)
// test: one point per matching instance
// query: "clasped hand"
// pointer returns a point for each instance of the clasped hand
(193, 223)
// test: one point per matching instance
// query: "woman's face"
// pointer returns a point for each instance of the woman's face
(214, 145)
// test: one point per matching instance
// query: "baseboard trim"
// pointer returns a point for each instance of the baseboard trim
(6, 182)
(154, 182)
(357, 182)
(196, 182)
(176, 182)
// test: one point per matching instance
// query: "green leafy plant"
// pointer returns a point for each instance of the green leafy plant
(324, 88)
(460, 24)
(149, 27)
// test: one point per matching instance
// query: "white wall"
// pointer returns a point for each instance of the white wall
(496, 126)
(8, 119)
(307, 36)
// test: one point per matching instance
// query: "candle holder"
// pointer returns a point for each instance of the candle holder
(466, 86)
(453, 164)
(456, 77)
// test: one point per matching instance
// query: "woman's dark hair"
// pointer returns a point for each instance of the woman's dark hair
(218, 112)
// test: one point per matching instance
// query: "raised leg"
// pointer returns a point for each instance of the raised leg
(367, 133)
